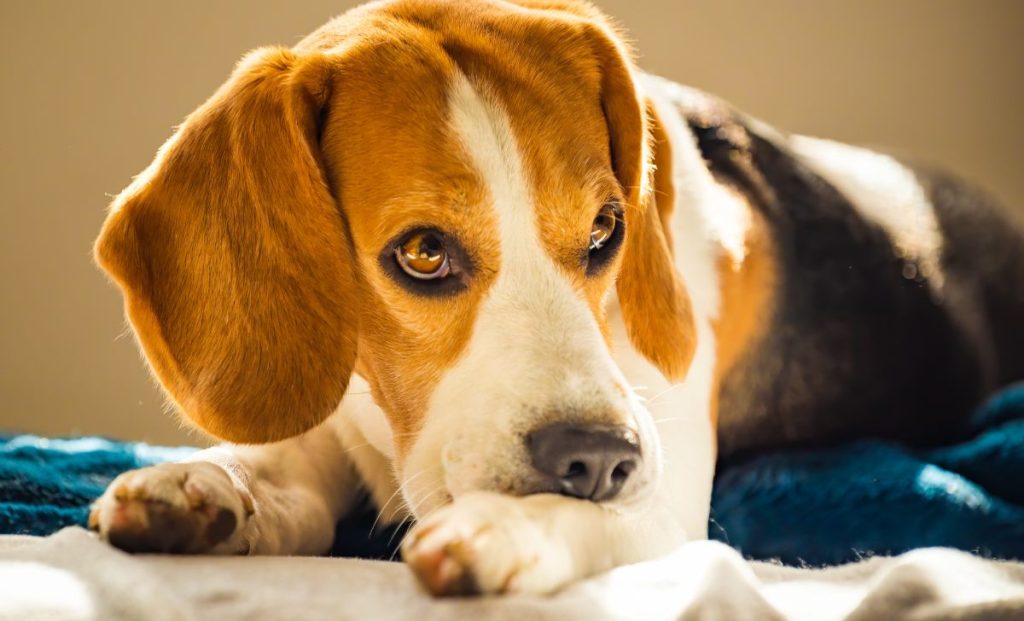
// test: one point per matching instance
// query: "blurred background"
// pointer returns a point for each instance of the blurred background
(91, 90)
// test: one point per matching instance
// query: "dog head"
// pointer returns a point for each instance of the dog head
(440, 196)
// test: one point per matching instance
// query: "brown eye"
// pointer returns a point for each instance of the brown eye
(604, 226)
(423, 255)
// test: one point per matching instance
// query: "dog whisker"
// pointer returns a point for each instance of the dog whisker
(661, 404)
(397, 492)
(399, 527)
(411, 517)
(663, 393)
(357, 447)
(668, 420)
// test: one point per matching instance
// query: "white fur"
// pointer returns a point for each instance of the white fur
(884, 192)
(299, 488)
(536, 351)
(358, 405)
(708, 221)
(536, 543)
(681, 416)
(708, 218)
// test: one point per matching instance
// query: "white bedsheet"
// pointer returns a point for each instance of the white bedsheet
(71, 575)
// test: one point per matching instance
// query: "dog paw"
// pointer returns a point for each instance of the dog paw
(486, 543)
(187, 508)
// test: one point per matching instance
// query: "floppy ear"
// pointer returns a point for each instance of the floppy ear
(234, 259)
(654, 302)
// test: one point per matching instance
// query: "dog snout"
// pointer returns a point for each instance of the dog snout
(585, 461)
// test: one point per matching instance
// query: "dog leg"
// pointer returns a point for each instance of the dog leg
(280, 498)
(488, 543)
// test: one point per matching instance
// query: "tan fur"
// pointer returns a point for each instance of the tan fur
(747, 290)
(256, 259)
(654, 301)
(746, 283)
(234, 260)
(396, 167)
(248, 252)
(663, 191)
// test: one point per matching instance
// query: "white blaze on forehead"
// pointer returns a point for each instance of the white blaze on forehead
(530, 294)
(536, 350)
(532, 317)
(488, 139)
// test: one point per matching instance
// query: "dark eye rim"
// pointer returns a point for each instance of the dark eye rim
(598, 259)
(460, 265)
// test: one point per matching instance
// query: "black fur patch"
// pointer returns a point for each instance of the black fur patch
(983, 258)
(858, 344)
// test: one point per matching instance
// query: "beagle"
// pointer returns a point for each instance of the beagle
(464, 259)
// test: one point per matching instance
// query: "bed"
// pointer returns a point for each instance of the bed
(864, 531)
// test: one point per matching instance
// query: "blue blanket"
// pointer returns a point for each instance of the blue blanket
(807, 507)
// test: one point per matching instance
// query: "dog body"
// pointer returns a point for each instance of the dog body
(546, 289)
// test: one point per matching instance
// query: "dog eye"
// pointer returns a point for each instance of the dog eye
(606, 234)
(605, 223)
(423, 255)
(604, 226)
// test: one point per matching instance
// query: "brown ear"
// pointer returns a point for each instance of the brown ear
(654, 302)
(234, 260)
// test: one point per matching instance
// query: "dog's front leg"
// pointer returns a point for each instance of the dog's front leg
(486, 543)
(280, 498)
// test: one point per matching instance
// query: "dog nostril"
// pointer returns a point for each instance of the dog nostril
(622, 471)
(576, 469)
(589, 462)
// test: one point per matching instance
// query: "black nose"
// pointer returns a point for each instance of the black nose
(588, 462)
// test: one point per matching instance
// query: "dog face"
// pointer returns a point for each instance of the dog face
(440, 197)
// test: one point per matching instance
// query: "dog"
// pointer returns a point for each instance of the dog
(464, 259)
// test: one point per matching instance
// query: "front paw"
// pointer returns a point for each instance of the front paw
(487, 543)
(187, 508)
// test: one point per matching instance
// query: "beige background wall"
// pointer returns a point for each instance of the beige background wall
(91, 89)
